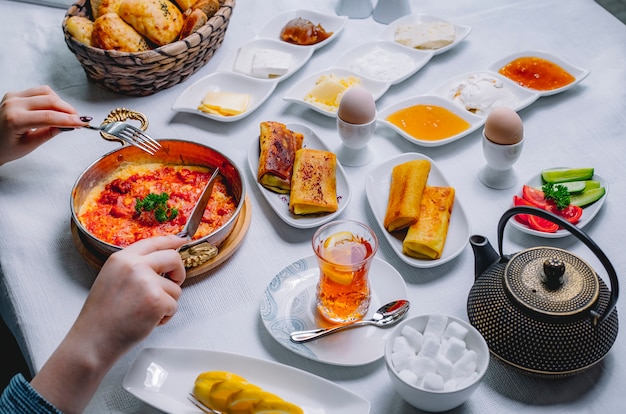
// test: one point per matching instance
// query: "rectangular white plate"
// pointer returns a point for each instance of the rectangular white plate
(164, 377)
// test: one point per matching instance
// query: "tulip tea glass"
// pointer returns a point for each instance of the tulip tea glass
(345, 250)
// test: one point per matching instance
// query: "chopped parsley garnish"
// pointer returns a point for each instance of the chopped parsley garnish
(158, 204)
(557, 193)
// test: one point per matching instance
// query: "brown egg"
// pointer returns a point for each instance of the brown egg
(504, 126)
(357, 106)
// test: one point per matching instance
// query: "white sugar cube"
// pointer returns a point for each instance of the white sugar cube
(468, 380)
(466, 365)
(456, 330)
(430, 347)
(401, 360)
(443, 366)
(401, 344)
(422, 366)
(413, 337)
(436, 325)
(408, 376)
(454, 349)
(433, 381)
(451, 384)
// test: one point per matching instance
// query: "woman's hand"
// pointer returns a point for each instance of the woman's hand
(31, 117)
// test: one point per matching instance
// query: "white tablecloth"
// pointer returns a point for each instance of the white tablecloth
(45, 280)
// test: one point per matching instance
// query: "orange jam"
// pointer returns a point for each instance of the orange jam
(536, 73)
(428, 122)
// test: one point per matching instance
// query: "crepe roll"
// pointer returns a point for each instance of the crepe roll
(278, 146)
(426, 238)
(405, 194)
(314, 182)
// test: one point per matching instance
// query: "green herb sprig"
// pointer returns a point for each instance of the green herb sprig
(557, 193)
(158, 204)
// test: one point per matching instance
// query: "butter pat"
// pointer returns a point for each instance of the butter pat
(434, 35)
(225, 103)
(329, 89)
(262, 63)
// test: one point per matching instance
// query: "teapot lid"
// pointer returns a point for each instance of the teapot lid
(551, 283)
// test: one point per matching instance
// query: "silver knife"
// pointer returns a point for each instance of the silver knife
(195, 218)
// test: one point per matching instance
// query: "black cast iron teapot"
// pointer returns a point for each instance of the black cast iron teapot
(543, 310)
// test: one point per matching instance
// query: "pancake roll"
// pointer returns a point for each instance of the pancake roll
(278, 146)
(408, 181)
(314, 182)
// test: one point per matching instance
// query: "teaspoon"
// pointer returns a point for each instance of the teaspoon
(386, 315)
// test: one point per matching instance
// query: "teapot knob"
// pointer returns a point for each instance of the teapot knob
(553, 270)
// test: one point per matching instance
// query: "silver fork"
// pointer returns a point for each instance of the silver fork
(200, 405)
(129, 134)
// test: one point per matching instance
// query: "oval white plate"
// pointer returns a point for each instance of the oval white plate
(289, 305)
(377, 185)
(301, 89)
(474, 121)
(299, 56)
(589, 212)
(280, 202)
(575, 71)
(330, 23)
(520, 97)
(460, 31)
(180, 367)
(258, 89)
(419, 58)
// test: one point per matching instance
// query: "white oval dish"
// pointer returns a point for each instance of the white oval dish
(259, 90)
(589, 212)
(460, 31)
(299, 56)
(330, 23)
(289, 305)
(349, 60)
(298, 92)
(377, 184)
(474, 120)
(519, 99)
(164, 377)
(578, 73)
(280, 202)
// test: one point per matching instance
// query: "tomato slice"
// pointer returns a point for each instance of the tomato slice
(519, 201)
(570, 213)
(541, 224)
(534, 196)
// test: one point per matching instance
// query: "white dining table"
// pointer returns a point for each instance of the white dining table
(45, 279)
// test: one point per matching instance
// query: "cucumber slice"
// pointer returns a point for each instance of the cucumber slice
(566, 174)
(589, 184)
(587, 197)
(574, 186)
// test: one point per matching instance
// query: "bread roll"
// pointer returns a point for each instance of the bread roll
(102, 7)
(185, 4)
(314, 182)
(110, 32)
(158, 20)
(405, 194)
(209, 7)
(81, 29)
(426, 238)
(194, 19)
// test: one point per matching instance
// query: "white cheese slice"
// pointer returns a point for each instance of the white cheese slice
(243, 61)
(434, 35)
(225, 103)
(268, 63)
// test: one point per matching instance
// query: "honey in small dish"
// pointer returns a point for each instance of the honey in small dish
(428, 122)
(537, 73)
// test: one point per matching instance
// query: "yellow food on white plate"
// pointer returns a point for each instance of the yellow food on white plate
(225, 103)
(230, 393)
(426, 238)
(408, 181)
(329, 89)
(314, 182)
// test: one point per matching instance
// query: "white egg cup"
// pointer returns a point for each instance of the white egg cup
(354, 151)
(499, 173)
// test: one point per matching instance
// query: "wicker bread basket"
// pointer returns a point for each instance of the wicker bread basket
(144, 73)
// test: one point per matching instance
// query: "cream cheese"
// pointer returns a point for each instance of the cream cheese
(380, 64)
(480, 92)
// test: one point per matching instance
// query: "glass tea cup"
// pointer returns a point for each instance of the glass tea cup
(344, 251)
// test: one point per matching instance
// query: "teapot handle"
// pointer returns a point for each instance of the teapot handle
(581, 235)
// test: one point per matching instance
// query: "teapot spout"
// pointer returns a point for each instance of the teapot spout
(484, 254)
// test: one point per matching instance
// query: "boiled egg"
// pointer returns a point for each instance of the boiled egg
(357, 106)
(504, 126)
